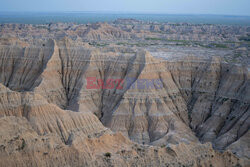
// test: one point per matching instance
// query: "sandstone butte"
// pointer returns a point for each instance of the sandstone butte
(199, 116)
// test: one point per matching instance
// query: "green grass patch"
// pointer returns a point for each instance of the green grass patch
(98, 44)
(219, 45)
(168, 40)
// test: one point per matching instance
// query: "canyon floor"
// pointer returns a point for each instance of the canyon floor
(124, 93)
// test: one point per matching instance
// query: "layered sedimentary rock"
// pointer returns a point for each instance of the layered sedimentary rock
(22, 146)
(47, 118)
(71, 101)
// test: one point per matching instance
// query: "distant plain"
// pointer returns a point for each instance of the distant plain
(91, 17)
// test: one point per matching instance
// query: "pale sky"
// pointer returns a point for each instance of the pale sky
(225, 7)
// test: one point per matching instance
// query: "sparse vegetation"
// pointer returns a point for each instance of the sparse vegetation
(153, 39)
(138, 149)
(245, 38)
(187, 42)
(219, 45)
(22, 145)
(169, 40)
(98, 44)
(237, 55)
(42, 27)
(136, 44)
(107, 154)
(238, 165)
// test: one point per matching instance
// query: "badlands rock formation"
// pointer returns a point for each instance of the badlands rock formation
(179, 95)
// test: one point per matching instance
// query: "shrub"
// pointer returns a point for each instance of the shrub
(107, 154)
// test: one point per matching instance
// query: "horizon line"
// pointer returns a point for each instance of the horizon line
(127, 12)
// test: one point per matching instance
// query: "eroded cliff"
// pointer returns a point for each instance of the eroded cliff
(50, 115)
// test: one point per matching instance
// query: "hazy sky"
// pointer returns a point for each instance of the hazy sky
(229, 7)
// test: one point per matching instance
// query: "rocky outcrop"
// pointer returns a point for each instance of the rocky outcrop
(172, 106)
(22, 146)
(46, 118)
